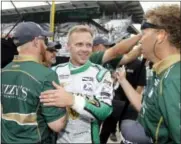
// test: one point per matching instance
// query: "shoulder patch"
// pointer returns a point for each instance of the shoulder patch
(96, 66)
(101, 72)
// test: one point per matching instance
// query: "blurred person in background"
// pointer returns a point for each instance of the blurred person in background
(51, 51)
(8, 50)
(136, 75)
(100, 45)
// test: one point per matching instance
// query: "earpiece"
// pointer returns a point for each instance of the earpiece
(161, 36)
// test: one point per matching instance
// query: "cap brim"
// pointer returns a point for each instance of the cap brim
(113, 44)
(52, 49)
(94, 44)
(51, 44)
(109, 44)
(47, 33)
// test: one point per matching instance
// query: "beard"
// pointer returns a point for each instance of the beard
(42, 52)
(53, 60)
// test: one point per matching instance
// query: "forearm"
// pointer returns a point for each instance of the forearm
(133, 96)
(132, 55)
(94, 109)
(126, 45)
(120, 48)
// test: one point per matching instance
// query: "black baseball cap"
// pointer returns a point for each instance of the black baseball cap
(27, 31)
(100, 40)
(53, 46)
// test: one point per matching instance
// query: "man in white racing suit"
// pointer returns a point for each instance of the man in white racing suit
(89, 88)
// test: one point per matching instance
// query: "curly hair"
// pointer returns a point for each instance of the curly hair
(168, 17)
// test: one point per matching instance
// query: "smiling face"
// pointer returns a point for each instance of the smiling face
(80, 47)
(50, 57)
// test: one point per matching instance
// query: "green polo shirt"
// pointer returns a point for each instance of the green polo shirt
(97, 58)
(24, 118)
(160, 112)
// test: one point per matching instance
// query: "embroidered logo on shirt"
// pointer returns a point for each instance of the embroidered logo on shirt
(87, 79)
(130, 70)
(88, 87)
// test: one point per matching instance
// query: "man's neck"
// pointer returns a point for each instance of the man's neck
(168, 52)
(23, 53)
(76, 65)
(165, 52)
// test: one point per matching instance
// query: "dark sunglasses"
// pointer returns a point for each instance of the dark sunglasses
(146, 25)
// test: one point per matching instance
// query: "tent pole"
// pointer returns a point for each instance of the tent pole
(52, 18)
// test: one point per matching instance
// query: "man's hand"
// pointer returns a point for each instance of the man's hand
(131, 56)
(58, 97)
(121, 74)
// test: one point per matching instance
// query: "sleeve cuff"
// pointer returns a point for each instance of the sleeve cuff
(79, 103)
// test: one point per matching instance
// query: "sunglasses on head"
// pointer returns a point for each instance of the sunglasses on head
(146, 25)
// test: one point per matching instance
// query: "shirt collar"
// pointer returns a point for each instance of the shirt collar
(23, 58)
(164, 64)
(75, 70)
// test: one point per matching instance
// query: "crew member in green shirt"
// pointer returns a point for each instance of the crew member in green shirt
(159, 113)
(24, 118)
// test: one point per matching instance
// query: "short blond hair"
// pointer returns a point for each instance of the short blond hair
(79, 28)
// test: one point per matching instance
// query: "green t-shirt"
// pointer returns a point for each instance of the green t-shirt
(24, 118)
(160, 112)
(97, 57)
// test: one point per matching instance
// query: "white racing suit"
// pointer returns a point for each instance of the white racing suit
(91, 85)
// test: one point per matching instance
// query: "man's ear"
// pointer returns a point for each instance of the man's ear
(162, 35)
(35, 42)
